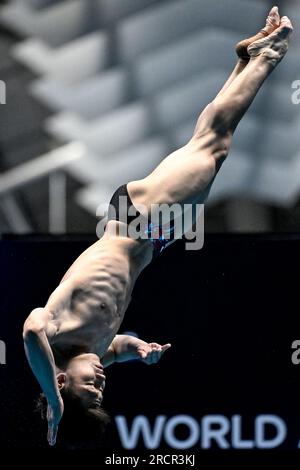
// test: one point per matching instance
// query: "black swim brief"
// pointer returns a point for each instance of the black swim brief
(157, 234)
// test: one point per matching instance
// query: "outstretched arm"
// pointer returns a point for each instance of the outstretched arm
(41, 360)
(125, 347)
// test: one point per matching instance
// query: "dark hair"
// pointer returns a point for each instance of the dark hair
(80, 427)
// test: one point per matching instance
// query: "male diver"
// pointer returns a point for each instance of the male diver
(70, 340)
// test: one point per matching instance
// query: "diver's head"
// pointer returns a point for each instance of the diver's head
(81, 383)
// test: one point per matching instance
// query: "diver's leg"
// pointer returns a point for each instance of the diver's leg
(272, 23)
(187, 174)
(265, 54)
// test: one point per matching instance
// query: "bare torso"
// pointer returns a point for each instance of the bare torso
(87, 308)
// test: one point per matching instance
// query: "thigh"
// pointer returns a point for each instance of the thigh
(183, 177)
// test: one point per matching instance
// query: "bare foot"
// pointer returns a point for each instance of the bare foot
(272, 23)
(274, 46)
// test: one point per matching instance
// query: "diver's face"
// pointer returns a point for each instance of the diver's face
(86, 378)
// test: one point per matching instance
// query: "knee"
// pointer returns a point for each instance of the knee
(217, 117)
(213, 138)
(220, 149)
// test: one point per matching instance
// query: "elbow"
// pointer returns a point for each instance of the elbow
(34, 324)
(29, 333)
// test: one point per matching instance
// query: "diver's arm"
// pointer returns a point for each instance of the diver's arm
(125, 348)
(41, 361)
(39, 353)
(37, 329)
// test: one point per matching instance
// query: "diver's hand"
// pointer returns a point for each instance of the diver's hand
(54, 414)
(150, 353)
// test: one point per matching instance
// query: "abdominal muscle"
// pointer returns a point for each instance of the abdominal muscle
(88, 306)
